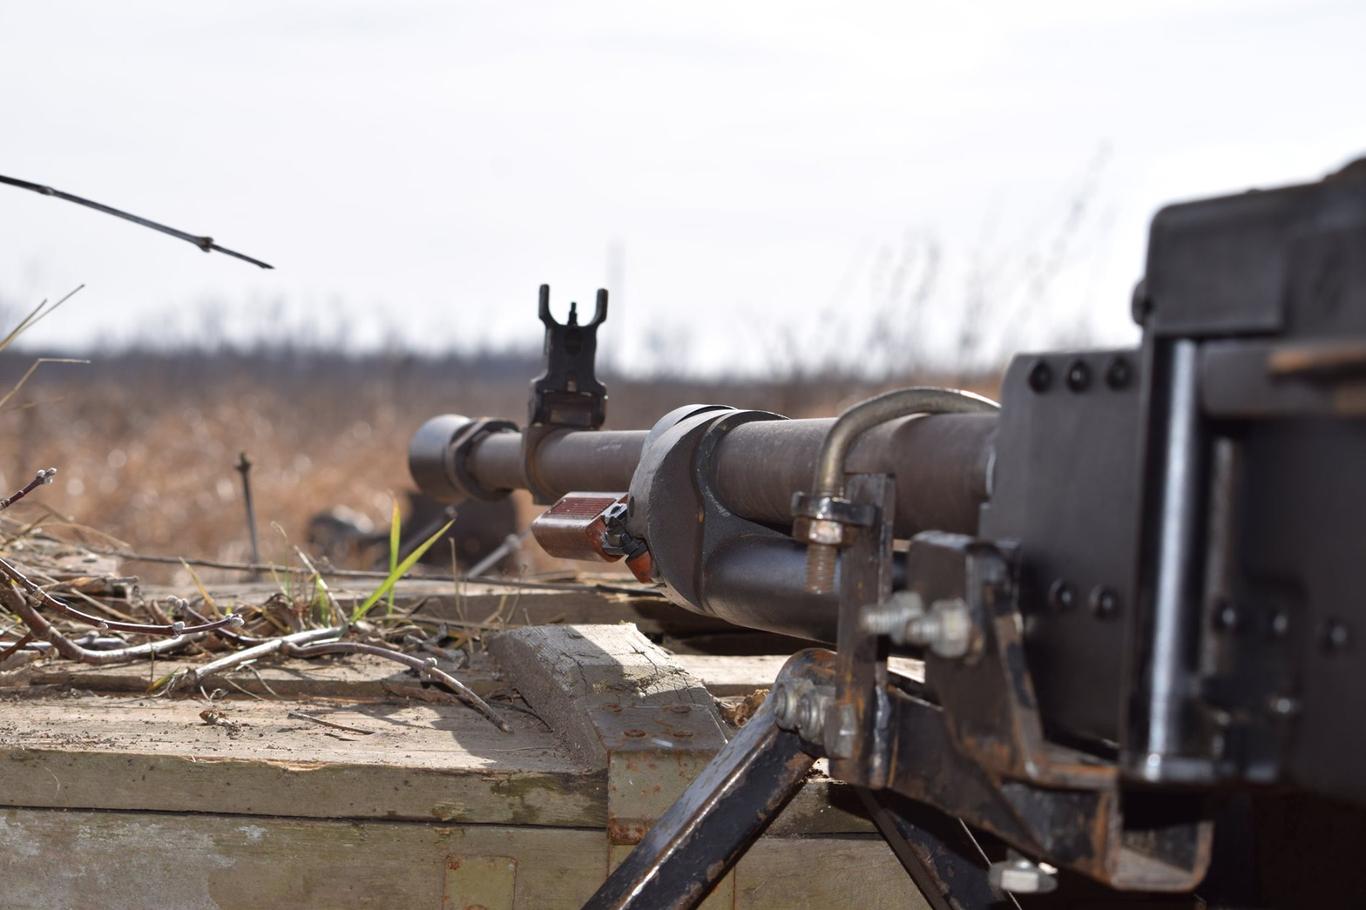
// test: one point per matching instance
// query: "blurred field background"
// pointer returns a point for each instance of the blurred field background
(145, 436)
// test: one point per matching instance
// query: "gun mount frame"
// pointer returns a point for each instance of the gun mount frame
(1134, 590)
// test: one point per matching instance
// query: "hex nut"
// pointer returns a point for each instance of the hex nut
(955, 631)
(1020, 876)
(812, 710)
(810, 716)
(825, 531)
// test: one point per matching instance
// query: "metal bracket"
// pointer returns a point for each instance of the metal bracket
(592, 526)
(567, 395)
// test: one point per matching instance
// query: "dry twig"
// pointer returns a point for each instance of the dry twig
(299, 715)
(176, 628)
(17, 603)
(426, 669)
(196, 675)
(43, 477)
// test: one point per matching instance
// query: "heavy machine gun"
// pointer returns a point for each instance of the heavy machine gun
(1135, 585)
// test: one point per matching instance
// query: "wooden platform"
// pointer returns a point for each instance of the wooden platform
(115, 799)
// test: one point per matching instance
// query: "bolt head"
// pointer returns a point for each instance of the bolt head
(1118, 374)
(1336, 636)
(1283, 705)
(1225, 616)
(1060, 595)
(1079, 376)
(1040, 377)
(1104, 602)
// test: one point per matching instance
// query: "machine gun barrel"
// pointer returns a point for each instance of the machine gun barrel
(941, 464)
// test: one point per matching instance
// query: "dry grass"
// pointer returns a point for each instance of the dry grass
(146, 445)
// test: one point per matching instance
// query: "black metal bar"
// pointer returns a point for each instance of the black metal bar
(722, 812)
(1174, 581)
(935, 851)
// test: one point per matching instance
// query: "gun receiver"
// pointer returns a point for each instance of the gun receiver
(1133, 586)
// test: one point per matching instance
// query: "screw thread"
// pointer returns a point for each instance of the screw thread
(820, 568)
(883, 621)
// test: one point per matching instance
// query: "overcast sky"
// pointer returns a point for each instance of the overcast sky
(415, 170)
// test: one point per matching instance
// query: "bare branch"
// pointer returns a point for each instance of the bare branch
(12, 649)
(43, 477)
(426, 668)
(175, 628)
(17, 603)
(196, 675)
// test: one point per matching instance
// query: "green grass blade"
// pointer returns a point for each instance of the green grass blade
(395, 531)
(398, 572)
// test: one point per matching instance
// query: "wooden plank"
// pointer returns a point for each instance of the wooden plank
(354, 676)
(820, 873)
(483, 882)
(618, 700)
(422, 762)
(569, 674)
(132, 860)
(595, 683)
(363, 676)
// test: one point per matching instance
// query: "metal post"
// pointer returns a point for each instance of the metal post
(1177, 583)
(244, 468)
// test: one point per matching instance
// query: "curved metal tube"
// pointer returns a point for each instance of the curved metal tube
(822, 555)
(868, 414)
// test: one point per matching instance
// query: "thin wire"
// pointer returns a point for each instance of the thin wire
(986, 859)
(204, 243)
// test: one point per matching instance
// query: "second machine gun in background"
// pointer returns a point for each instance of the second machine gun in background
(1136, 586)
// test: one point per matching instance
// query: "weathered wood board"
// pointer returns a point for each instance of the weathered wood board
(81, 860)
(421, 762)
(112, 798)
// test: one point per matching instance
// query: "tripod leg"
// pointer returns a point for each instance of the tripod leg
(936, 851)
(713, 823)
